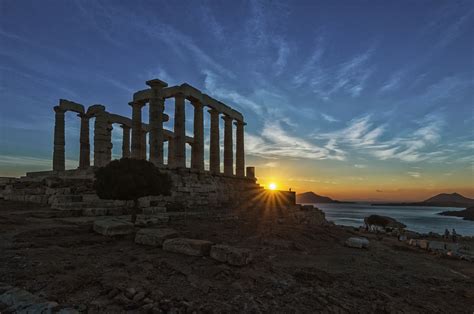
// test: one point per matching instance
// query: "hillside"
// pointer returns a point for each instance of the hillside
(440, 200)
(466, 214)
(313, 198)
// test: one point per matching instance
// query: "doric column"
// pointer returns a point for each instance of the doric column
(228, 154)
(170, 152)
(240, 152)
(214, 149)
(157, 105)
(59, 158)
(101, 139)
(143, 145)
(126, 141)
(197, 156)
(179, 132)
(136, 129)
(109, 144)
(85, 149)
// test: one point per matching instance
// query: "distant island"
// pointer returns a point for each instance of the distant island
(466, 214)
(313, 198)
(440, 200)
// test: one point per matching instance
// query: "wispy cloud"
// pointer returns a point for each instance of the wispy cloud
(329, 118)
(275, 142)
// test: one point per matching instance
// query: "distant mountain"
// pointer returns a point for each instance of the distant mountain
(311, 197)
(440, 200)
(454, 198)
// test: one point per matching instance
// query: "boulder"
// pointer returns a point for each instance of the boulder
(383, 221)
(113, 226)
(357, 242)
(154, 236)
(230, 255)
(185, 246)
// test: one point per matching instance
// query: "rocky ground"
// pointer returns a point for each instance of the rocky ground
(295, 268)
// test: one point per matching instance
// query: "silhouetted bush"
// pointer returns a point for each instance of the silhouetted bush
(129, 179)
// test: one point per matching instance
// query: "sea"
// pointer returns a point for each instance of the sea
(422, 219)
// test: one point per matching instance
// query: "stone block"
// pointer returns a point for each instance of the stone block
(422, 244)
(94, 212)
(436, 246)
(112, 227)
(357, 242)
(191, 247)
(153, 210)
(231, 255)
(154, 236)
(453, 247)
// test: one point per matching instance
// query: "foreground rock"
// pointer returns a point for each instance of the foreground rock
(21, 301)
(185, 246)
(231, 255)
(154, 236)
(357, 242)
(113, 227)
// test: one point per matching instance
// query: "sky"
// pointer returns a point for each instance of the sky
(357, 100)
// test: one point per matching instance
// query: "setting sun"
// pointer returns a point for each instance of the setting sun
(272, 186)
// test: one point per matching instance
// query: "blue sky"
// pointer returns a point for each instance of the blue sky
(373, 95)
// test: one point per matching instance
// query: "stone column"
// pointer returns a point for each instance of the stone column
(197, 156)
(126, 141)
(170, 152)
(240, 152)
(143, 145)
(59, 158)
(101, 139)
(179, 132)
(136, 129)
(157, 105)
(109, 145)
(85, 149)
(214, 149)
(228, 146)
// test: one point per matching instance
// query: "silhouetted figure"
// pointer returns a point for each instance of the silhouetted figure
(455, 235)
(446, 234)
(290, 189)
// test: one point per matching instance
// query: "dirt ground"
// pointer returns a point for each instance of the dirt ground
(296, 268)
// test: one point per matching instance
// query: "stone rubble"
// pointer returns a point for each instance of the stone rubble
(357, 242)
(185, 246)
(231, 255)
(154, 236)
(113, 227)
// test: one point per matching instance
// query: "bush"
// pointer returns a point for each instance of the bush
(129, 179)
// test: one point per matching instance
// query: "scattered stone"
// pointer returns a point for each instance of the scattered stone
(402, 238)
(383, 221)
(113, 226)
(139, 296)
(422, 244)
(437, 246)
(130, 292)
(21, 301)
(357, 242)
(231, 255)
(185, 246)
(154, 236)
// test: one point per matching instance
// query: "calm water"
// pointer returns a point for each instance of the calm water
(417, 218)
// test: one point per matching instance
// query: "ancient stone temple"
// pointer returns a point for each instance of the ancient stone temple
(135, 131)
(194, 188)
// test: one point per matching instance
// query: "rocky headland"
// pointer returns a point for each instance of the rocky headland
(466, 214)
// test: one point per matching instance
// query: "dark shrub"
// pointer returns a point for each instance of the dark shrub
(129, 179)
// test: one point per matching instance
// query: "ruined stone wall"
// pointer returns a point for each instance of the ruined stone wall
(192, 191)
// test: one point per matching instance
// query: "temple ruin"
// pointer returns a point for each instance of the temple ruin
(194, 188)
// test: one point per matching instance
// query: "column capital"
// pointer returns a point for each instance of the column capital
(138, 104)
(213, 111)
(58, 109)
(238, 122)
(197, 104)
(227, 118)
(156, 84)
(125, 127)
